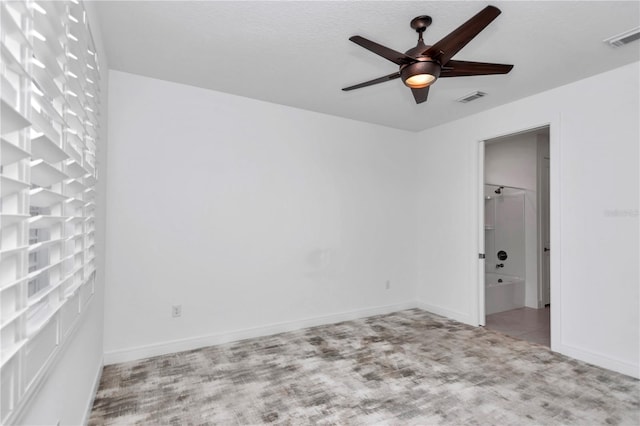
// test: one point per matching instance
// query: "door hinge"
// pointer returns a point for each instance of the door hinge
(481, 256)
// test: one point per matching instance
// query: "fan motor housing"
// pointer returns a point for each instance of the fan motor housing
(422, 66)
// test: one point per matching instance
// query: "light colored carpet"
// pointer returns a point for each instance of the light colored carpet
(409, 367)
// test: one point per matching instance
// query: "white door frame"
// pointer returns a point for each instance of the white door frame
(481, 243)
(543, 227)
(554, 223)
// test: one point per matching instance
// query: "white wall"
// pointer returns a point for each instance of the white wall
(594, 213)
(254, 217)
(513, 161)
(67, 392)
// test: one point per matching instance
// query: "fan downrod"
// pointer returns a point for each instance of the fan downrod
(420, 23)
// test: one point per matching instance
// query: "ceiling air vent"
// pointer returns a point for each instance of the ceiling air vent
(624, 38)
(471, 97)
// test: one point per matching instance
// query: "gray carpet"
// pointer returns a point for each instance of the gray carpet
(409, 367)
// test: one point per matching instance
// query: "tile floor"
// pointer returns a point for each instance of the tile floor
(527, 324)
(405, 368)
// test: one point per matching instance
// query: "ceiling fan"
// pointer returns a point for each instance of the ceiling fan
(422, 65)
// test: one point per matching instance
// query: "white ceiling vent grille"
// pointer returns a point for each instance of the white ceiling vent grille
(624, 38)
(471, 97)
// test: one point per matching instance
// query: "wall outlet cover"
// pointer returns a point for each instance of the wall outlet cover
(176, 311)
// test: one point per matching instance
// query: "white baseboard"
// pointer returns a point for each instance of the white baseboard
(448, 313)
(146, 351)
(94, 391)
(599, 359)
(591, 357)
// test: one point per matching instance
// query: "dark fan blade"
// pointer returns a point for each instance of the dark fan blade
(372, 82)
(420, 95)
(444, 50)
(464, 68)
(385, 52)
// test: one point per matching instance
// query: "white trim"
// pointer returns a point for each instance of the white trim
(540, 204)
(448, 313)
(481, 244)
(141, 352)
(554, 125)
(600, 360)
(94, 392)
(43, 374)
(555, 223)
(179, 345)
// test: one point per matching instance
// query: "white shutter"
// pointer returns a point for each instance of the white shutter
(49, 126)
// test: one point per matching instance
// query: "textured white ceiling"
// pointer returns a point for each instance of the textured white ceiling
(298, 53)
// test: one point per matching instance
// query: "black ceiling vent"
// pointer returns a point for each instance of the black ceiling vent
(471, 97)
(624, 38)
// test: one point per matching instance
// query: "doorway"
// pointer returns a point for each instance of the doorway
(516, 245)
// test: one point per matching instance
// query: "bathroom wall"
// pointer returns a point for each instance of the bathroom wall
(505, 230)
(511, 160)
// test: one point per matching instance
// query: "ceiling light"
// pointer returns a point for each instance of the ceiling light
(420, 81)
(420, 74)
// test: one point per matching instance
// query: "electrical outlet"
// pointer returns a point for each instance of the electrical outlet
(176, 311)
(388, 285)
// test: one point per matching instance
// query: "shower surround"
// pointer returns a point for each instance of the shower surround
(504, 248)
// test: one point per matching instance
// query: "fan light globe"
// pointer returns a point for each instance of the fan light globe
(420, 81)
(420, 74)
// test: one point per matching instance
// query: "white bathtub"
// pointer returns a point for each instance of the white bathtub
(503, 292)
